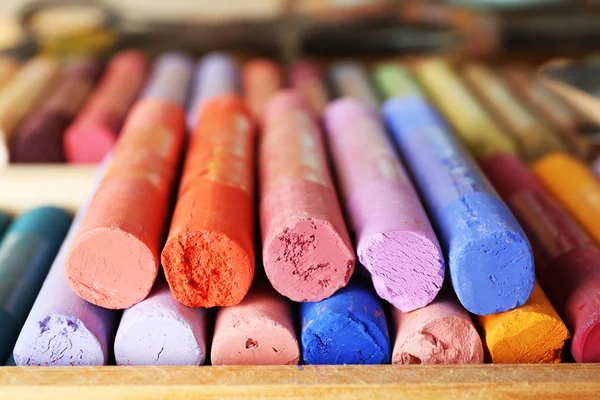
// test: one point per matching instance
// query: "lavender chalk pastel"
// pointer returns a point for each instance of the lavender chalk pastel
(169, 78)
(26, 254)
(347, 328)
(62, 329)
(161, 331)
(395, 241)
(489, 257)
(216, 74)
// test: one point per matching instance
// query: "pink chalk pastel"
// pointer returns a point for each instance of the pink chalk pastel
(307, 251)
(258, 331)
(440, 333)
(395, 240)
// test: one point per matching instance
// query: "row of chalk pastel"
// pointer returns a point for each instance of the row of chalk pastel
(112, 256)
(52, 112)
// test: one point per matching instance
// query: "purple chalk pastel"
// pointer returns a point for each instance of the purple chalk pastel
(216, 74)
(169, 78)
(62, 329)
(161, 331)
(395, 241)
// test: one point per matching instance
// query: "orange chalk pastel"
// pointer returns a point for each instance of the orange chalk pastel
(532, 333)
(261, 78)
(575, 186)
(209, 255)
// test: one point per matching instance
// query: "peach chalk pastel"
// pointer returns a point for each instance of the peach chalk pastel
(208, 258)
(258, 331)
(394, 238)
(20, 95)
(530, 334)
(440, 333)
(161, 331)
(96, 128)
(307, 251)
(114, 259)
(261, 78)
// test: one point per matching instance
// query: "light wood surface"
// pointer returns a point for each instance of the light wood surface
(23, 186)
(566, 381)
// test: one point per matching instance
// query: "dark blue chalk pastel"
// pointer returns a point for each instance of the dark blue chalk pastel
(347, 328)
(488, 255)
(26, 253)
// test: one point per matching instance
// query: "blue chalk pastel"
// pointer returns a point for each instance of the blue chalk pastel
(26, 253)
(488, 255)
(347, 328)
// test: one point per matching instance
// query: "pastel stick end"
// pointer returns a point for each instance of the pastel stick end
(407, 268)
(58, 340)
(344, 339)
(159, 339)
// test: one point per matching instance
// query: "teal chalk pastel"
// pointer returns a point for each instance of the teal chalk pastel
(4, 222)
(26, 254)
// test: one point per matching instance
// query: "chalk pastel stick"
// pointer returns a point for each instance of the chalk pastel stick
(62, 329)
(5, 220)
(394, 238)
(208, 258)
(530, 334)
(40, 138)
(307, 251)
(26, 254)
(471, 122)
(567, 262)
(534, 137)
(347, 328)
(306, 78)
(549, 107)
(170, 78)
(261, 78)
(440, 333)
(95, 129)
(20, 95)
(216, 74)
(8, 68)
(258, 331)
(349, 79)
(24, 186)
(489, 258)
(114, 258)
(574, 186)
(161, 331)
(394, 81)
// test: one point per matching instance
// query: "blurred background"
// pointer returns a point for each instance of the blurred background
(319, 26)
